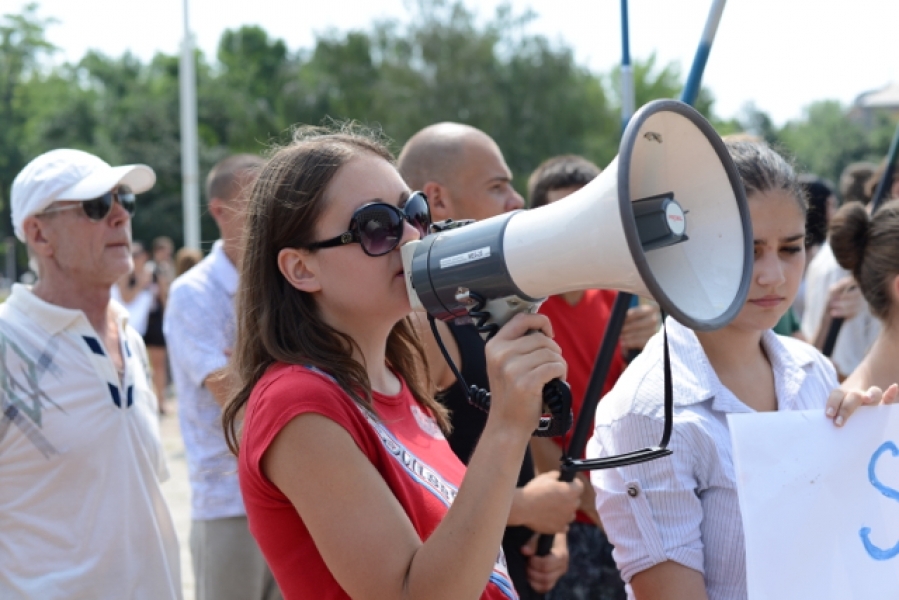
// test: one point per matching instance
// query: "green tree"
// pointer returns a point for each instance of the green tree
(244, 99)
(527, 93)
(757, 122)
(22, 45)
(825, 140)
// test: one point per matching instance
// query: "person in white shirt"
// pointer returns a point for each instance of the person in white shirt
(199, 325)
(675, 521)
(82, 515)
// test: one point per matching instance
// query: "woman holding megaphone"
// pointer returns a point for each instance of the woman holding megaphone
(675, 522)
(350, 487)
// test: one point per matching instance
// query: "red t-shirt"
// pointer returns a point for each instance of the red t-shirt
(405, 446)
(579, 330)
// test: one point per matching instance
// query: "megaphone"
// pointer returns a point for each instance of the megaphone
(667, 219)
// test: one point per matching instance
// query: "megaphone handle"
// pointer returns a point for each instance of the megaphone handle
(557, 399)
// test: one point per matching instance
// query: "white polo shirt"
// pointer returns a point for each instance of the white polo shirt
(82, 515)
(684, 507)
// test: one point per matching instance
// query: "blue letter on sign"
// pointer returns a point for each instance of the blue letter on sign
(875, 552)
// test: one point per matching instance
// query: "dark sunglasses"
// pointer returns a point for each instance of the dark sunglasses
(96, 209)
(378, 226)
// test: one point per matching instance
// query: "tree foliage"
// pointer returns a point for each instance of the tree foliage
(827, 140)
(441, 64)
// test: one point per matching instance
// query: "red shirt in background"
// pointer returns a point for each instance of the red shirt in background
(579, 330)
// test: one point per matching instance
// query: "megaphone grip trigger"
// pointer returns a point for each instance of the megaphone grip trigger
(557, 399)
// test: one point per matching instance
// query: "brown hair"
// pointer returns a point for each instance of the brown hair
(869, 248)
(556, 173)
(278, 323)
(764, 170)
(874, 181)
(854, 180)
(185, 259)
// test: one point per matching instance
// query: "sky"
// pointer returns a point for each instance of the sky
(780, 55)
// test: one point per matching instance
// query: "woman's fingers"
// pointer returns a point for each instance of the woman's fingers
(842, 403)
(522, 323)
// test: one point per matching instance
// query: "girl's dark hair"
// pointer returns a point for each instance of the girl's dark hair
(556, 173)
(278, 323)
(764, 170)
(817, 192)
(869, 248)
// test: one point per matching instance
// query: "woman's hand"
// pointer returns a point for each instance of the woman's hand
(518, 366)
(545, 571)
(641, 323)
(842, 403)
(844, 299)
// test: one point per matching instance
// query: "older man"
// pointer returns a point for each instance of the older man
(82, 514)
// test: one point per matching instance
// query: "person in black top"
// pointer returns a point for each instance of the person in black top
(462, 172)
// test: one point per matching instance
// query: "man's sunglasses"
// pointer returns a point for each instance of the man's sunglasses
(96, 209)
(378, 226)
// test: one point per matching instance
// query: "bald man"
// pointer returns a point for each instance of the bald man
(464, 175)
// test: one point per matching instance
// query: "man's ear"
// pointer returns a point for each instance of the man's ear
(37, 236)
(217, 209)
(439, 200)
(299, 269)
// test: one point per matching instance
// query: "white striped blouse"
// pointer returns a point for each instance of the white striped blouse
(684, 507)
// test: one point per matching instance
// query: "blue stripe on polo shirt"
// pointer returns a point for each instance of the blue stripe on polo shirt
(130, 396)
(94, 345)
(115, 395)
(127, 349)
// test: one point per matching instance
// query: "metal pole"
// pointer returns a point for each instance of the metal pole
(691, 88)
(190, 163)
(627, 73)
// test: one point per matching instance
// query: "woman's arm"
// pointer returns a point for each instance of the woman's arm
(361, 530)
(364, 536)
(669, 581)
(544, 504)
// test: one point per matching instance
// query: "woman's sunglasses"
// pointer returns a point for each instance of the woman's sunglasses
(96, 209)
(378, 226)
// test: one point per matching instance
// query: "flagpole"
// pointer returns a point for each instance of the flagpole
(190, 163)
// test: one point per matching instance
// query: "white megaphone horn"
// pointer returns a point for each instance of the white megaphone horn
(667, 219)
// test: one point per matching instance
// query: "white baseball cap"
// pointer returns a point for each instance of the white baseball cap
(69, 175)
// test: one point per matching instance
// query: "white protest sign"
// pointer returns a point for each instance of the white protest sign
(820, 504)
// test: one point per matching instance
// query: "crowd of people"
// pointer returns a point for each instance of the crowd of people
(332, 450)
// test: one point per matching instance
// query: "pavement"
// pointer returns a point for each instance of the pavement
(177, 490)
